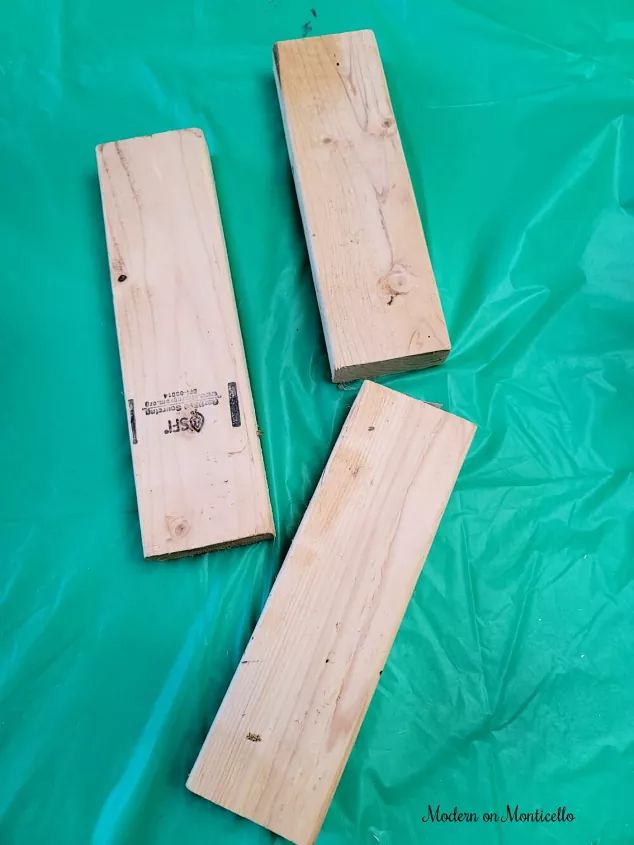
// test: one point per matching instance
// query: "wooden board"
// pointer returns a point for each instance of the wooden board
(281, 738)
(375, 285)
(198, 466)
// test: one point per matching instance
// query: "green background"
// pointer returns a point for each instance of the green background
(511, 679)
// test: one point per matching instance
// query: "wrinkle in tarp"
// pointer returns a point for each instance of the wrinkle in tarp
(510, 681)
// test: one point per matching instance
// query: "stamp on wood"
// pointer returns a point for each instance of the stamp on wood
(197, 459)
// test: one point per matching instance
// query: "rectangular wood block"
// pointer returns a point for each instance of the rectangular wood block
(198, 467)
(376, 290)
(283, 733)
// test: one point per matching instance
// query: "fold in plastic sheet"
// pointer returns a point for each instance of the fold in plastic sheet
(511, 679)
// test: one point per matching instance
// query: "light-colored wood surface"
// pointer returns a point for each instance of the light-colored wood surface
(377, 295)
(281, 738)
(198, 466)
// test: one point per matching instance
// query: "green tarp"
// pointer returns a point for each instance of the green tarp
(511, 680)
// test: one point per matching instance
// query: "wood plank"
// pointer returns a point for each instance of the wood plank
(376, 290)
(198, 467)
(283, 733)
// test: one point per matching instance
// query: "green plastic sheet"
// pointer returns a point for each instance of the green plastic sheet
(511, 678)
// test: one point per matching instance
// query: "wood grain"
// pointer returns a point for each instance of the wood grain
(375, 286)
(198, 467)
(281, 738)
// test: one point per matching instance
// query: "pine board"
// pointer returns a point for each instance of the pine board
(375, 286)
(283, 733)
(198, 467)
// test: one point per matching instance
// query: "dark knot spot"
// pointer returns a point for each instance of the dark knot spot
(387, 123)
(326, 140)
(178, 526)
(122, 278)
(398, 281)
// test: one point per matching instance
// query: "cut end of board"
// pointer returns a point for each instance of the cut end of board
(333, 35)
(196, 785)
(194, 130)
(376, 369)
(214, 547)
